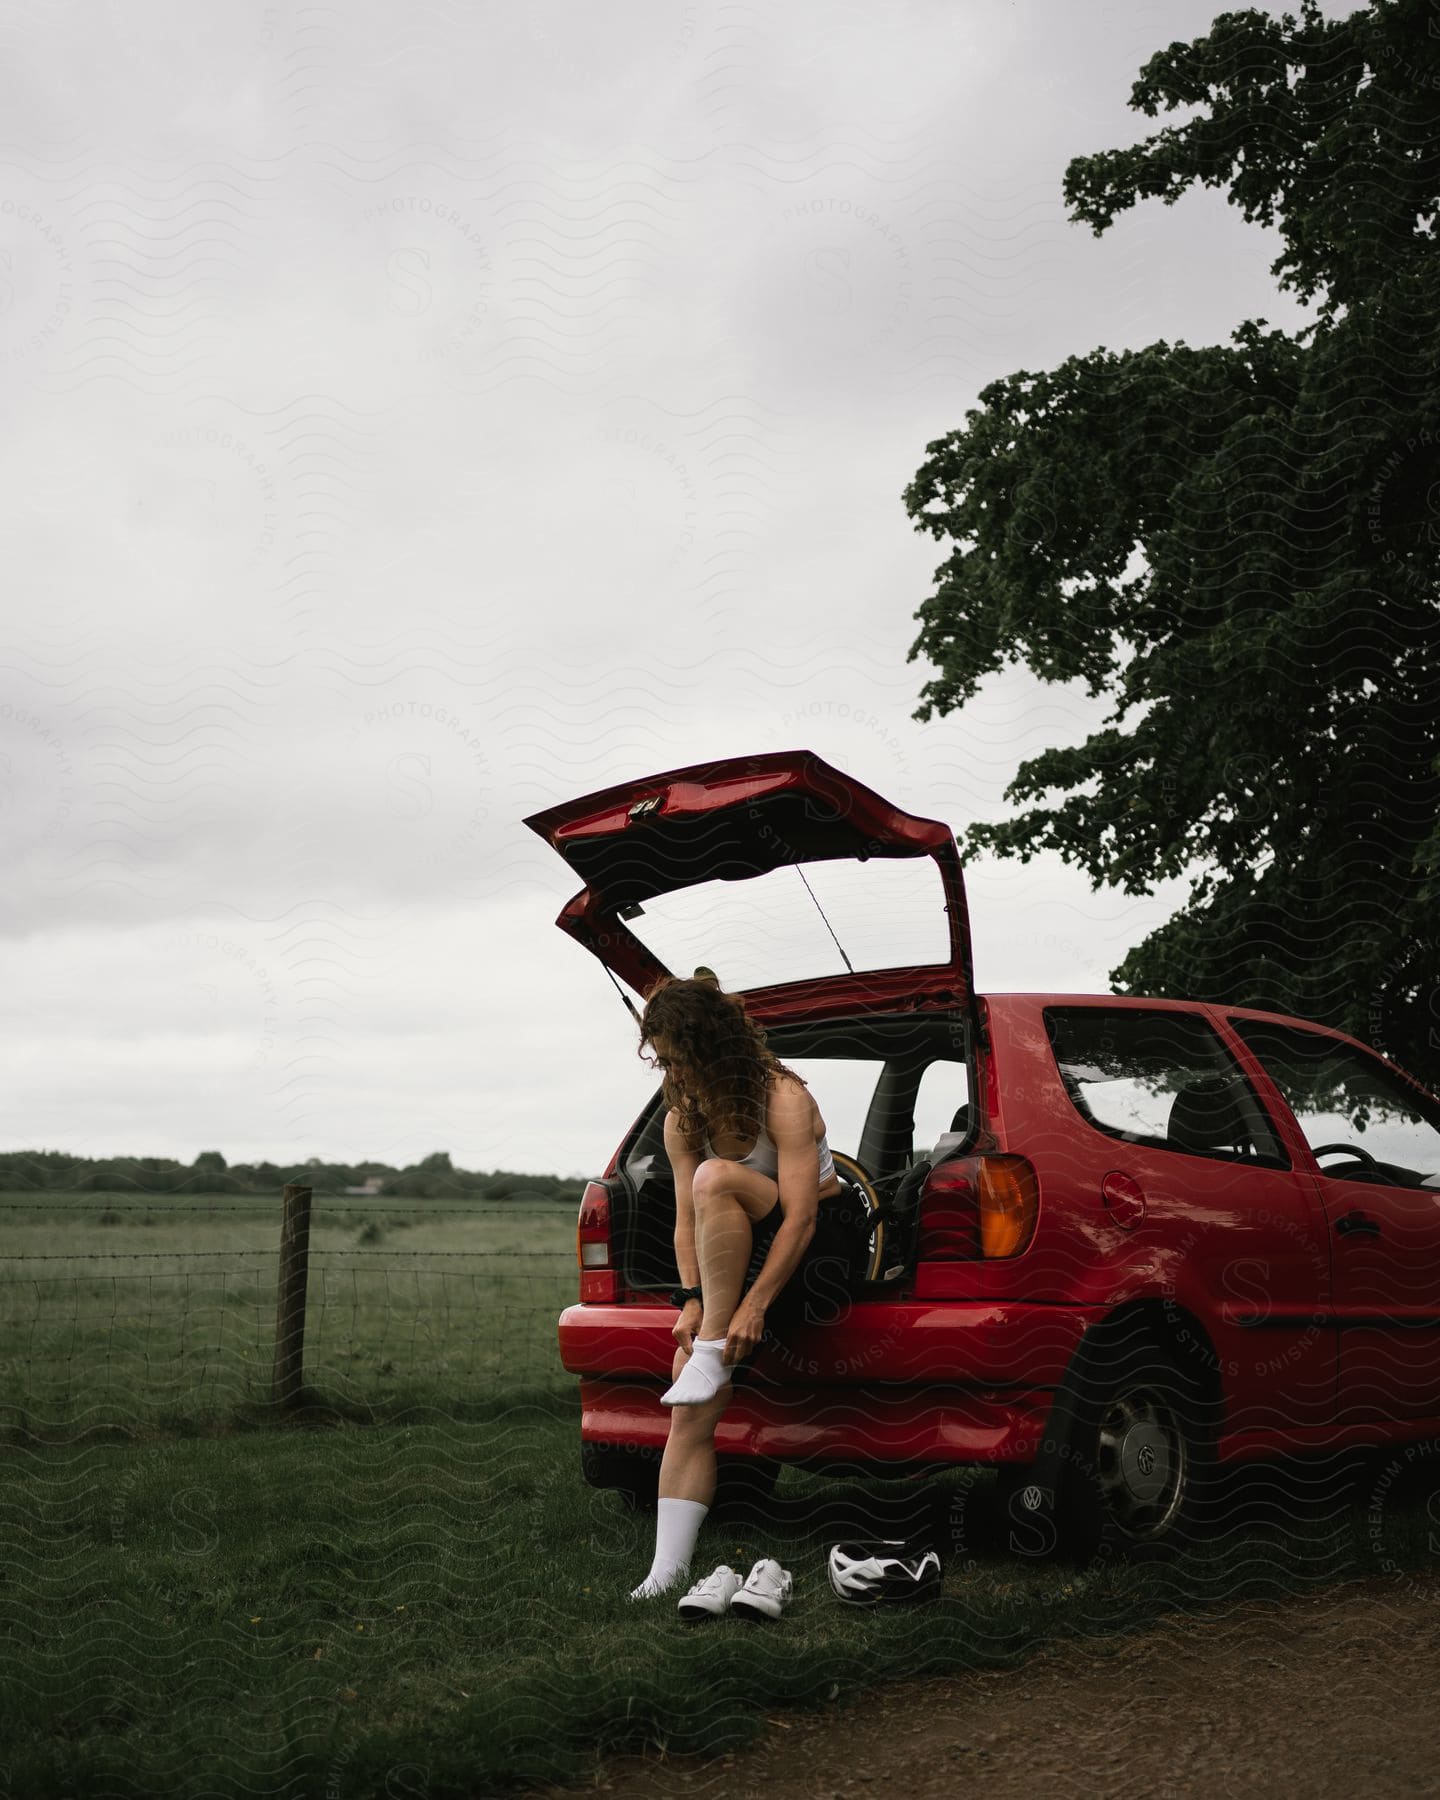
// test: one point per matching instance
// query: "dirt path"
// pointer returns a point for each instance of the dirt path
(1333, 1694)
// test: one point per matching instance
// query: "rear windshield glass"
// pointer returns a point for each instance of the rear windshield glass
(887, 913)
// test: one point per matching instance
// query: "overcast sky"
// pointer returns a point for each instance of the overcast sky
(418, 415)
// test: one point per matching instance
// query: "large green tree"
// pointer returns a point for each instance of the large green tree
(1239, 545)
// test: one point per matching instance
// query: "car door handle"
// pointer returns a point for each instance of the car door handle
(1357, 1224)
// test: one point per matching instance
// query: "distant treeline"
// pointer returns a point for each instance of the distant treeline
(433, 1178)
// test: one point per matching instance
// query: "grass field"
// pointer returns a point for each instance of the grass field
(155, 1309)
(432, 1602)
(439, 1608)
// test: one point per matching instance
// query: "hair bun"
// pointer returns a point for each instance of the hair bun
(704, 974)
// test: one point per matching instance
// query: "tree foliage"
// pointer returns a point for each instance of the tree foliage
(433, 1178)
(1239, 545)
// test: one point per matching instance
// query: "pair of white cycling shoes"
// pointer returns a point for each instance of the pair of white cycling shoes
(762, 1594)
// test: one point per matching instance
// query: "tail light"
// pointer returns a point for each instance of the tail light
(977, 1206)
(950, 1212)
(592, 1243)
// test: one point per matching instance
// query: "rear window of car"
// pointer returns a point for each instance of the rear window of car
(845, 1089)
(842, 1087)
(1160, 1078)
(942, 1109)
(794, 924)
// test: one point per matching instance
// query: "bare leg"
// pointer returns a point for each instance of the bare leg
(687, 1487)
(725, 1197)
(722, 1248)
(687, 1469)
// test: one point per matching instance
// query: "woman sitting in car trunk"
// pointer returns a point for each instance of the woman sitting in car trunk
(753, 1238)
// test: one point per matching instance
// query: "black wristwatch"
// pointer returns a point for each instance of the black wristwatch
(679, 1295)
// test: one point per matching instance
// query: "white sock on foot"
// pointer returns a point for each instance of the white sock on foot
(702, 1377)
(677, 1525)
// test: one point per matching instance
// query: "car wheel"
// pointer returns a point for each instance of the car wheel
(1143, 1470)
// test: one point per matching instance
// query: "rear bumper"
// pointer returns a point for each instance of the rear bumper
(855, 1424)
(893, 1381)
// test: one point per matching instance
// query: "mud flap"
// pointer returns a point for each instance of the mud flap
(1037, 1497)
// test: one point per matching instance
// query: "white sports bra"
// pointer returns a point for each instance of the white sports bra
(765, 1158)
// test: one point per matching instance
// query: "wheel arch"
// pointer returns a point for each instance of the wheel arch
(1156, 1319)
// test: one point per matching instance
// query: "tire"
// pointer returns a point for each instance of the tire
(744, 1483)
(741, 1482)
(1142, 1475)
(634, 1474)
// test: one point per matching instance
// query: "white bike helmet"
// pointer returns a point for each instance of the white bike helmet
(885, 1569)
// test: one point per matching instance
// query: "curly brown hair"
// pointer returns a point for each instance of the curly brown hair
(718, 1075)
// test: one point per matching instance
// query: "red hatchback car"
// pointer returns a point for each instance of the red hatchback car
(1103, 1244)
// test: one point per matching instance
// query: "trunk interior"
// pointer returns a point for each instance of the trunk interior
(891, 1088)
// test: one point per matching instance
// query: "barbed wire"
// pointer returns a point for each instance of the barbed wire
(371, 1332)
(495, 1209)
(79, 1332)
(315, 1251)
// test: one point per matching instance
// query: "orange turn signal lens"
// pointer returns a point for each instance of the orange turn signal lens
(1009, 1205)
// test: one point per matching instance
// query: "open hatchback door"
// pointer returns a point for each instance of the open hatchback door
(656, 849)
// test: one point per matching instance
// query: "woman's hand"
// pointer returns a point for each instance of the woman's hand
(747, 1327)
(686, 1326)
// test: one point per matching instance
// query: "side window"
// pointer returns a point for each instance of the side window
(1369, 1123)
(941, 1105)
(1161, 1078)
(842, 1087)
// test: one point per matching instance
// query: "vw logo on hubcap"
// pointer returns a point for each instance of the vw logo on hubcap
(1145, 1461)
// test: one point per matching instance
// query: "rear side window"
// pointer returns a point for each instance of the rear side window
(942, 1108)
(1370, 1125)
(1160, 1078)
(842, 1088)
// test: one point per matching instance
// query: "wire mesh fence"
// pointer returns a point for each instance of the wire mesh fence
(130, 1312)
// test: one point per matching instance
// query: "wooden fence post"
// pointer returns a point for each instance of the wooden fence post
(288, 1378)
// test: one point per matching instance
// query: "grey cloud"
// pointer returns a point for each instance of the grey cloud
(419, 416)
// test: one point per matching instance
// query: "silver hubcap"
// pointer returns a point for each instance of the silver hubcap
(1142, 1463)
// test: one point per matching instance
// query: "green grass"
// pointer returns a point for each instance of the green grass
(312, 1613)
(421, 1594)
(160, 1310)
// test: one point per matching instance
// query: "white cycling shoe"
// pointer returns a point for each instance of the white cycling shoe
(766, 1591)
(711, 1595)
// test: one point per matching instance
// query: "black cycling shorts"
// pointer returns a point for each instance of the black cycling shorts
(820, 1285)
